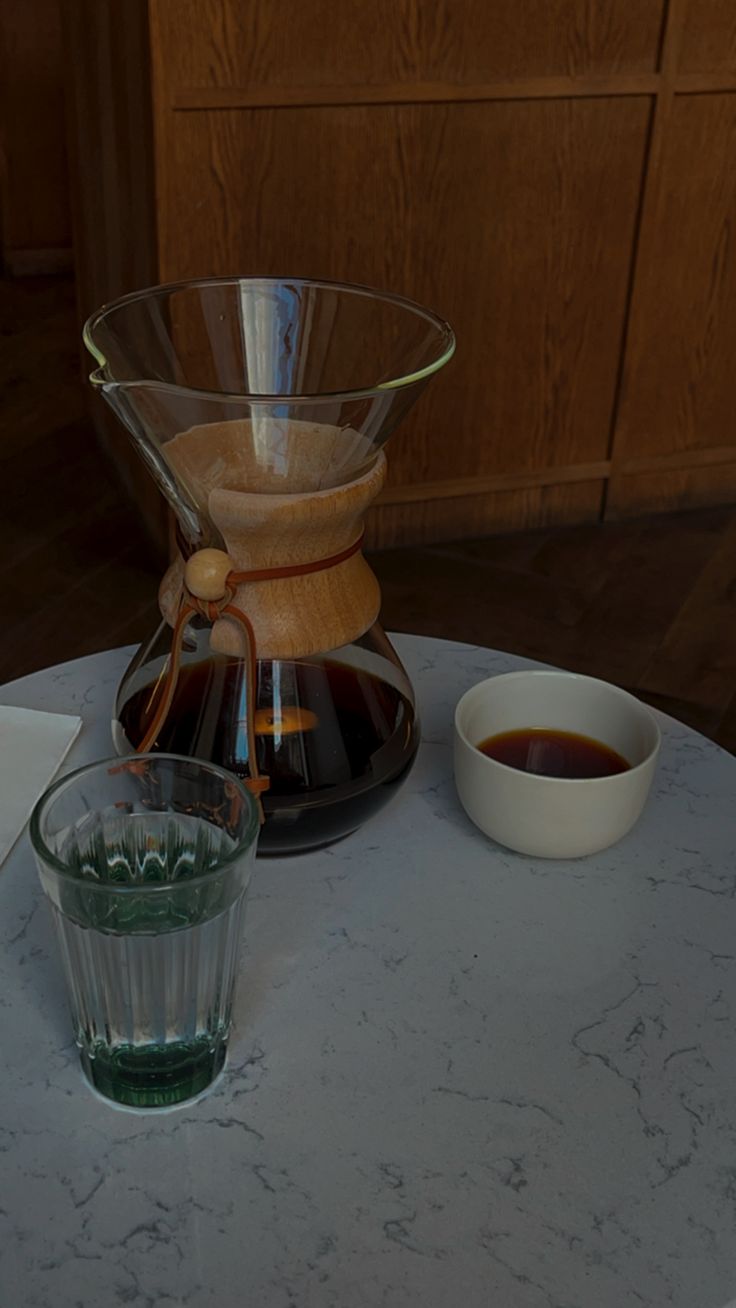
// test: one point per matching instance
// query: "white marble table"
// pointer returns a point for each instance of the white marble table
(459, 1079)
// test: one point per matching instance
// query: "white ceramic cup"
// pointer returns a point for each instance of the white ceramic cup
(553, 817)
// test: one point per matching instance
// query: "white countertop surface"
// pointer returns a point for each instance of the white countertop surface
(459, 1077)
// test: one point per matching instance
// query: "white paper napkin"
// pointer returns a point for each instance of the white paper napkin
(32, 747)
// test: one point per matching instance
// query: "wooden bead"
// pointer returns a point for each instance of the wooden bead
(205, 574)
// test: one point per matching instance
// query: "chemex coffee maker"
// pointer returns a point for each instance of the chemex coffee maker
(260, 406)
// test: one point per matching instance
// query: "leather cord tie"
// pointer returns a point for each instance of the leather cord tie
(210, 582)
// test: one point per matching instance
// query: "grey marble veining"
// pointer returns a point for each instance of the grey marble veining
(458, 1076)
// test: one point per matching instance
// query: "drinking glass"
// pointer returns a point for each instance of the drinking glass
(146, 861)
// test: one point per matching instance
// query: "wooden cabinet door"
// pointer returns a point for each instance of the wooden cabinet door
(445, 150)
(675, 438)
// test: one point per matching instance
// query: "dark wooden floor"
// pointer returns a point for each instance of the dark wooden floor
(650, 604)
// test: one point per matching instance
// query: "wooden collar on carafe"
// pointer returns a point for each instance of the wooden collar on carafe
(210, 582)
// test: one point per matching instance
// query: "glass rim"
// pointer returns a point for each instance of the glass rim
(443, 328)
(52, 792)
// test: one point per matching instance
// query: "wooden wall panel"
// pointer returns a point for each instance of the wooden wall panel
(708, 42)
(429, 520)
(678, 382)
(113, 199)
(34, 191)
(665, 491)
(112, 165)
(514, 221)
(282, 44)
(554, 176)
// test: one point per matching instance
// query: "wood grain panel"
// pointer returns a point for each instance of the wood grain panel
(482, 515)
(34, 185)
(112, 165)
(526, 88)
(709, 37)
(113, 197)
(665, 491)
(678, 381)
(705, 83)
(458, 487)
(487, 159)
(278, 43)
(513, 221)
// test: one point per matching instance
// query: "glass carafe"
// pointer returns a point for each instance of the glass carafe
(261, 407)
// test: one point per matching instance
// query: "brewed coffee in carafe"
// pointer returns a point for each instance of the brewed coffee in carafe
(335, 735)
(261, 407)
